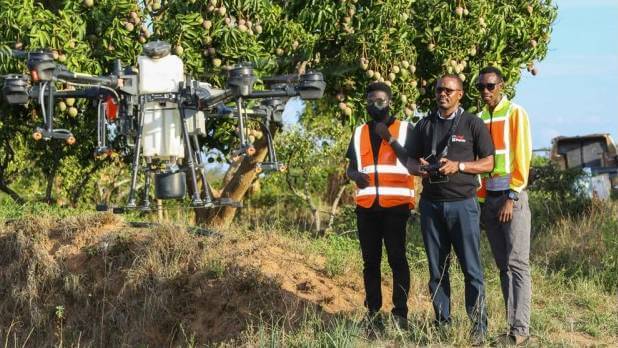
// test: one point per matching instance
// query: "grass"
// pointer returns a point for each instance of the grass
(341, 253)
(574, 300)
(583, 247)
(73, 278)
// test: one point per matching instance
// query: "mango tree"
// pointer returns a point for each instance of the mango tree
(405, 43)
(408, 45)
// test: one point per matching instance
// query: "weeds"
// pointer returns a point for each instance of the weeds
(164, 286)
(583, 247)
(342, 254)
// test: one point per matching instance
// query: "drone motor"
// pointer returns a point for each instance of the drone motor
(15, 89)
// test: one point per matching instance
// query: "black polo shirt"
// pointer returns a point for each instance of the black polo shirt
(375, 147)
(470, 141)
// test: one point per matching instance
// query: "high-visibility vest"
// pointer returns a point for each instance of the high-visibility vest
(507, 122)
(389, 180)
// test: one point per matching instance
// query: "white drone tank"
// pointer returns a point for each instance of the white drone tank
(162, 135)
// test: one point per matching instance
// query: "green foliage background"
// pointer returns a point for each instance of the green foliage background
(406, 43)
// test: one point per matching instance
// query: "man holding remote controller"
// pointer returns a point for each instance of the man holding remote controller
(449, 148)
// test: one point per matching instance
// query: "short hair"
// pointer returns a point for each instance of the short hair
(492, 70)
(454, 77)
(379, 86)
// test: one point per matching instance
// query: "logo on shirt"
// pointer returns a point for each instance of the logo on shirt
(458, 139)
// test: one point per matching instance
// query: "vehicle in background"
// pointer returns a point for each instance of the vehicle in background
(596, 155)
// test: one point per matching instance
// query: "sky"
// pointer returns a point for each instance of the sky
(576, 89)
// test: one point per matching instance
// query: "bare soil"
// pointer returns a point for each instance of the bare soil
(116, 284)
(96, 280)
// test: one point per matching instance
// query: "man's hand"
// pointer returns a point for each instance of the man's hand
(449, 167)
(414, 167)
(382, 131)
(506, 212)
(361, 179)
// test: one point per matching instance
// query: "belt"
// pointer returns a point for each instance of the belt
(497, 193)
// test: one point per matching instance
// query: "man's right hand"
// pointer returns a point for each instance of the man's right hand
(361, 179)
(382, 130)
(414, 167)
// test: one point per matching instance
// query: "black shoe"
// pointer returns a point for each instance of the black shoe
(442, 324)
(373, 325)
(401, 323)
(478, 338)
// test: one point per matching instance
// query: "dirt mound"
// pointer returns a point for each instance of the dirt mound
(97, 280)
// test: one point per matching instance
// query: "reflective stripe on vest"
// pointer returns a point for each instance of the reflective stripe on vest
(385, 191)
(389, 179)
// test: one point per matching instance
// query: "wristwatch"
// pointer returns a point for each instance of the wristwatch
(461, 166)
(513, 195)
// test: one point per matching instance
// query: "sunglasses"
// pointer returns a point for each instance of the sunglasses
(489, 86)
(448, 91)
(378, 102)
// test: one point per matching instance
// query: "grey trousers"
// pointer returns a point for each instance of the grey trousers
(510, 245)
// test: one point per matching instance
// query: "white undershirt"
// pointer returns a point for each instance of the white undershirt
(450, 116)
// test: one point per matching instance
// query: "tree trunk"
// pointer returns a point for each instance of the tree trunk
(335, 181)
(315, 209)
(334, 206)
(4, 185)
(79, 189)
(236, 182)
(318, 221)
(50, 185)
(14, 195)
(51, 177)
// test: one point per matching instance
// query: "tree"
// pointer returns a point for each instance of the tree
(407, 44)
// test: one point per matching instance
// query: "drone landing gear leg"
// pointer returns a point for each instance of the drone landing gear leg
(199, 155)
(272, 155)
(50, 108)
(145, 196)
(245, 147)
(273, 164)
(135, 166)
(209, 200)
(101, 130)
(196, 201)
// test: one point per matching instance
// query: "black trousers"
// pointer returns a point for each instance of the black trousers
(373, 228)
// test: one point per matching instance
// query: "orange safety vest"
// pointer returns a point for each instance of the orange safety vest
(389, 180)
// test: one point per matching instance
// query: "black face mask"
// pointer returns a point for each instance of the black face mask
(376, 113)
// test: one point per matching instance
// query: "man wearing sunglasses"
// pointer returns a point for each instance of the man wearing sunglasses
(384, 197)
(460, 145)
(505, 212)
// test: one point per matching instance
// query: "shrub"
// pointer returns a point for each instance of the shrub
(555, 194)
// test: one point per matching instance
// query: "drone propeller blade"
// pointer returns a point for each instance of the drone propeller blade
(9, 52)
(288, 78)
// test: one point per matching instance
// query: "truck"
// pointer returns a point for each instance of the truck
(596, 155)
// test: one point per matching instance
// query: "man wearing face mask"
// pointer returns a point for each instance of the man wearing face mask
(384, 197)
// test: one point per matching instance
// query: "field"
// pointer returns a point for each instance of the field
(75, 278)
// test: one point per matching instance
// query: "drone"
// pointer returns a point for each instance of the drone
(161, 113)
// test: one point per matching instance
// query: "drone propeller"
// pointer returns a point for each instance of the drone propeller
(288, 78)
(10, 52)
